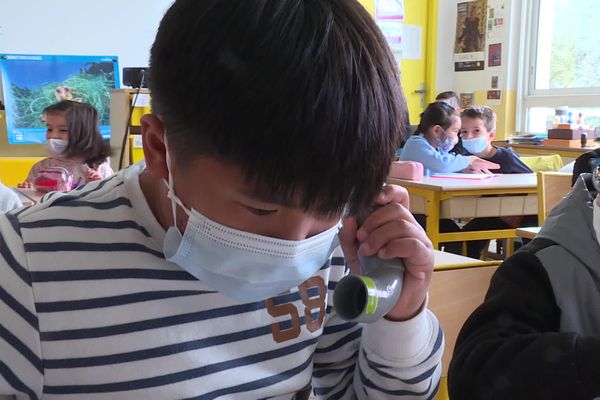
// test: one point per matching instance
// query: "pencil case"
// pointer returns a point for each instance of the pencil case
(409, 170)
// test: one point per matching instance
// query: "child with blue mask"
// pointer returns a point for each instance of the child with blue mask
(208, 270)
(478, 131)
(435, 136)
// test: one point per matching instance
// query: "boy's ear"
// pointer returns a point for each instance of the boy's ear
(492, 135)
(153, 143)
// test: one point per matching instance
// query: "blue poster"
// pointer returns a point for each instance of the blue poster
(33, 82)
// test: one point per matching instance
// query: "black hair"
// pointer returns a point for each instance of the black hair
(484, 113)
(437, 113)
(449, 95)
(303, 95)
(85, 140)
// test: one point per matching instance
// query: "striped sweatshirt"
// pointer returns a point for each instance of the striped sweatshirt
(90, 309)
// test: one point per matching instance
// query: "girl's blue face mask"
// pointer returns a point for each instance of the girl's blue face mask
(244, 266)
(446, 142)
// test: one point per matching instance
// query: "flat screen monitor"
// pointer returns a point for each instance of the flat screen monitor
(31, 83)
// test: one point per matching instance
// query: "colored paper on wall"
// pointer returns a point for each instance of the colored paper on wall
(469, 45)
(466, 100)
(392, 31)
(495, 82)
(494, 94)
(495, 55)
(389, 9)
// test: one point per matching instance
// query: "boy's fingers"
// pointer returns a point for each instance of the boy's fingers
(347, 236)
(417, 256)
(389, 213)
(393, 194)
(380, 238)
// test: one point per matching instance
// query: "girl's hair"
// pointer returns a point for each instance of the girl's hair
(438, 113)
(85, 140)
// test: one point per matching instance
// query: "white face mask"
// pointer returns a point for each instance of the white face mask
(476, 145)
(242, 265)
(56, 147)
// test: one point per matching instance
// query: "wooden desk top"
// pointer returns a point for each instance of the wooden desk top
(500, 181)
(528, 233)
(28, 196)
(445, 261)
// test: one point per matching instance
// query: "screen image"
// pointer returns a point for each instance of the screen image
(33, 82)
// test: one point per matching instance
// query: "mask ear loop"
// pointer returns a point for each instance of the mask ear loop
(175, 201)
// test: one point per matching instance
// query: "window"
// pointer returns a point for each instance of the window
(561, 62)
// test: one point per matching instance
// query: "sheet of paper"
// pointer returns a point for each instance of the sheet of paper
(459, 175)
(412, 42)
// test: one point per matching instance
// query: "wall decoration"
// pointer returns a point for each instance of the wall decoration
(494, 94)
(389, 15)
(32, 82)
(469, 46)
(466, 100)
(495, 82)
(495, 55)
(389, 9)
(392, 30)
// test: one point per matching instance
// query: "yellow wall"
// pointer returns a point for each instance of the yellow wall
(415, 72)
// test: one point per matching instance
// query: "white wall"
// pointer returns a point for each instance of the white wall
(125, 28)
(469, 81)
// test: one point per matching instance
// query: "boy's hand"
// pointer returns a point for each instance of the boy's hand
(390, 232)
(480, 166)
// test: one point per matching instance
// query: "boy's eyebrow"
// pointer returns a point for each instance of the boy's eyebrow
(268, 198)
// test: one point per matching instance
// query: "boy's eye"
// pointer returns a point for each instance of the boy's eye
(260, 211)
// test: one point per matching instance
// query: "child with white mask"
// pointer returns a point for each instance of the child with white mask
(73, 142)
(537, 334)
(207, 271)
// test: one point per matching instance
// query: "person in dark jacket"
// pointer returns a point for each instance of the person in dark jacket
(582, 164)
(537, 334)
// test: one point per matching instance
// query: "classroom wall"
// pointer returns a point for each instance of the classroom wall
(77, 27)
(479, 82)
(81, 27)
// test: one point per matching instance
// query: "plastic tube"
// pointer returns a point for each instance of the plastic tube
(367, 298)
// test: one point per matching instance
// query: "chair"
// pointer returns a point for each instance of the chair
(552, 162)
(552, 187)
(453, 296)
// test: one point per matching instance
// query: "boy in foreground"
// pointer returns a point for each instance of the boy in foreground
(208, 271)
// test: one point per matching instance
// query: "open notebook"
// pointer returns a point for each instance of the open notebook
(459, 175)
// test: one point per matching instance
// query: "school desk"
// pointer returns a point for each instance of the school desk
(28, 196)
(568, 154)
(528, 233)
(454, 293)
(507, 195)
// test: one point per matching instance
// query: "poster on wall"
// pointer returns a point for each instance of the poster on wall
(33, 82)
(389, 9)
(392, 31)
(469, 45)
(466, 100)
(495, 55)
(389, 15)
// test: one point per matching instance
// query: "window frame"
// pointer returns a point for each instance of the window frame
(527, 95)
